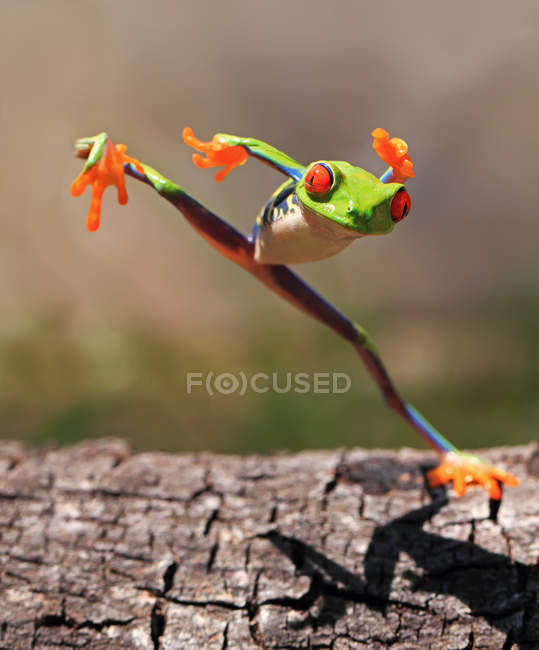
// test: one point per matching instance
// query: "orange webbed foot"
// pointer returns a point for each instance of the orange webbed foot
(217, 153)
(394, 152)
(466, 470)
(105, 166)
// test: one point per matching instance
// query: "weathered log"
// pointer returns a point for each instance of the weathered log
(103, 548)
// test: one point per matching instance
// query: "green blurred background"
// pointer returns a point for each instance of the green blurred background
(99, 330)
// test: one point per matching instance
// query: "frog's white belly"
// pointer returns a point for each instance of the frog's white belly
(294, 234)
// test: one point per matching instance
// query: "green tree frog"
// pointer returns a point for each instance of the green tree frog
(318, 211)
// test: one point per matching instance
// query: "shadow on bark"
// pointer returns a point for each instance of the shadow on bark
(490, 584)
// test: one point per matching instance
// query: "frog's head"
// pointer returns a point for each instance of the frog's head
(353, 197)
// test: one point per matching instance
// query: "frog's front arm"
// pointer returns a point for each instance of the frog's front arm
(106, 165)
(232, 151)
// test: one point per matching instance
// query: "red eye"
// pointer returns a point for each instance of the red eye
(400, 205)
(319, 179)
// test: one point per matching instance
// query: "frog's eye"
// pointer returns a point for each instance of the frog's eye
(400, 205)
(319, 179)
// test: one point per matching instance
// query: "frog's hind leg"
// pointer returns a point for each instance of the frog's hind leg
(231, 243)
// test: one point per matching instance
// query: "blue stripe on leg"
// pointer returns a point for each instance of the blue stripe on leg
(433, 436)
(387, 176)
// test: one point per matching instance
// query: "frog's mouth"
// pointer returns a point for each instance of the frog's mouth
(327, 226)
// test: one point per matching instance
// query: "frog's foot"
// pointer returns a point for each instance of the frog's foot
(104, 167)
(394, 152)
(466, 470)
(217, 153)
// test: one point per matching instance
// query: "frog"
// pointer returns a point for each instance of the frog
(318, 211)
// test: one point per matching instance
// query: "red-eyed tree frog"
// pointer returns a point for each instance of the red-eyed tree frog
(318, 211)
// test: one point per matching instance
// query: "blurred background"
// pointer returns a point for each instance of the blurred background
(99, 330)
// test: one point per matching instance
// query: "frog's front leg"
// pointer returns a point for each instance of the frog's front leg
(232, 150)
(105, 166)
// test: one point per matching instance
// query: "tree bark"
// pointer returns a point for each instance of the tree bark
(103, 548)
